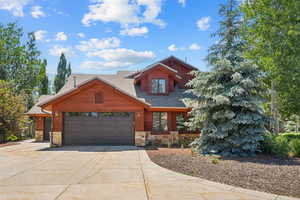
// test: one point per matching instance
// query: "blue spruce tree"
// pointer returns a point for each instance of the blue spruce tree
(228, 107)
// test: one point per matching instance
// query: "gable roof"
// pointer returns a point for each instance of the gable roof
(37, 110)
(123, 82)
(179, 60)
(115, 81)
(157, 64)
(139, 74)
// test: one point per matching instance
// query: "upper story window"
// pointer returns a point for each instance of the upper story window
(158, 86)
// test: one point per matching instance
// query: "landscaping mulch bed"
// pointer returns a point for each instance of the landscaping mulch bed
(262, 173)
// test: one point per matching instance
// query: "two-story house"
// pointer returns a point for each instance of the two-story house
(128, 108)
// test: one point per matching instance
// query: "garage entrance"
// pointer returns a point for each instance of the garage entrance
(98, 128)
(47, 129)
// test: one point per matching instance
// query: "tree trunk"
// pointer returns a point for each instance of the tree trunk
(274, 109)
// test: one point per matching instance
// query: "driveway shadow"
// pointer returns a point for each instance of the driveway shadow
(93, 148)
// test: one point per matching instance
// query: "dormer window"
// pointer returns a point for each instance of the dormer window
(158, 86)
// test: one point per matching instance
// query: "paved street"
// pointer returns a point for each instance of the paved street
(32, 171)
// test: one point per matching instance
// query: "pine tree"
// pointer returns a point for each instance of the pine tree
(69, 70)
(61, 75)
(229, 45)
(43, 88)
(228, 104)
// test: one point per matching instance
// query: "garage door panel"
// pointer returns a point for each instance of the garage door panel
(99, 130)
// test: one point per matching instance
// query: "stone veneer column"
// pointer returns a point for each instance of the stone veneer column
(39, 135)
(140, 138)
(174, 137)
(56, 139)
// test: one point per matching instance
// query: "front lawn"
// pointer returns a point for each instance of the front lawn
(263, 173)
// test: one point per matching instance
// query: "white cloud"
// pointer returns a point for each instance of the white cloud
(194, 47)
(182, 2)
(122, 55)
(117, 58)
(102, 65)
(203, 23)
(57, 50)
(40, 34)
(96, 44)
(61, 36)
(82, 35)
(172, 47)
(125, 12)
(135, 31)
(37, 12)
(14, 6)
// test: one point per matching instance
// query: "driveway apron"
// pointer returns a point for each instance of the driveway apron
(32, 171)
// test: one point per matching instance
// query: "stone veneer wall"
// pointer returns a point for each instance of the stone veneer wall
(140, 138)
(39, 136)
(173, 138)
(56, 139)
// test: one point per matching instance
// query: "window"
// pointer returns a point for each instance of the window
(98, 98)
(160, 121)
(158, 86)
(97, 114)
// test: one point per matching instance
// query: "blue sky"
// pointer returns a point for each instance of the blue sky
(104, 36)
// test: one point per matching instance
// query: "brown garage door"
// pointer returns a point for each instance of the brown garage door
(98, 128)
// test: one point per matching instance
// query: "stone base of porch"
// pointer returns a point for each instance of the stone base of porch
(56, 139)
(39, 136)
(174, 137)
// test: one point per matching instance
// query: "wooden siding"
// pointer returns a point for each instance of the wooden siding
(183, 71)
(158, 72)
(84, 101)
(39, 123)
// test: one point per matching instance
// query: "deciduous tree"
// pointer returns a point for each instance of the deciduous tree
(272, 32)
(12, 109)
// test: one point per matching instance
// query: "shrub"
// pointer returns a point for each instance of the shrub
(268, 143)
(11, 138)
(186, 141)
(294, 147)
(287, 144)
(215, 161)
(281, 146)
(291, 136)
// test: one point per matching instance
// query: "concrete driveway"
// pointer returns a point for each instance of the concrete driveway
(32, 171)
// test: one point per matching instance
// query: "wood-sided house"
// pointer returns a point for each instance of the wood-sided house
(128, 108)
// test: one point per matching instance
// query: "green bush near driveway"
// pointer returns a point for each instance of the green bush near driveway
(286, 144)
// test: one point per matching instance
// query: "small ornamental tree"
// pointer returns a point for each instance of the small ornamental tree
(228, 105)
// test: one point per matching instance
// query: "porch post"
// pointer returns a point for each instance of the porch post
(39, 129)
(140, 133)
(57, 127)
